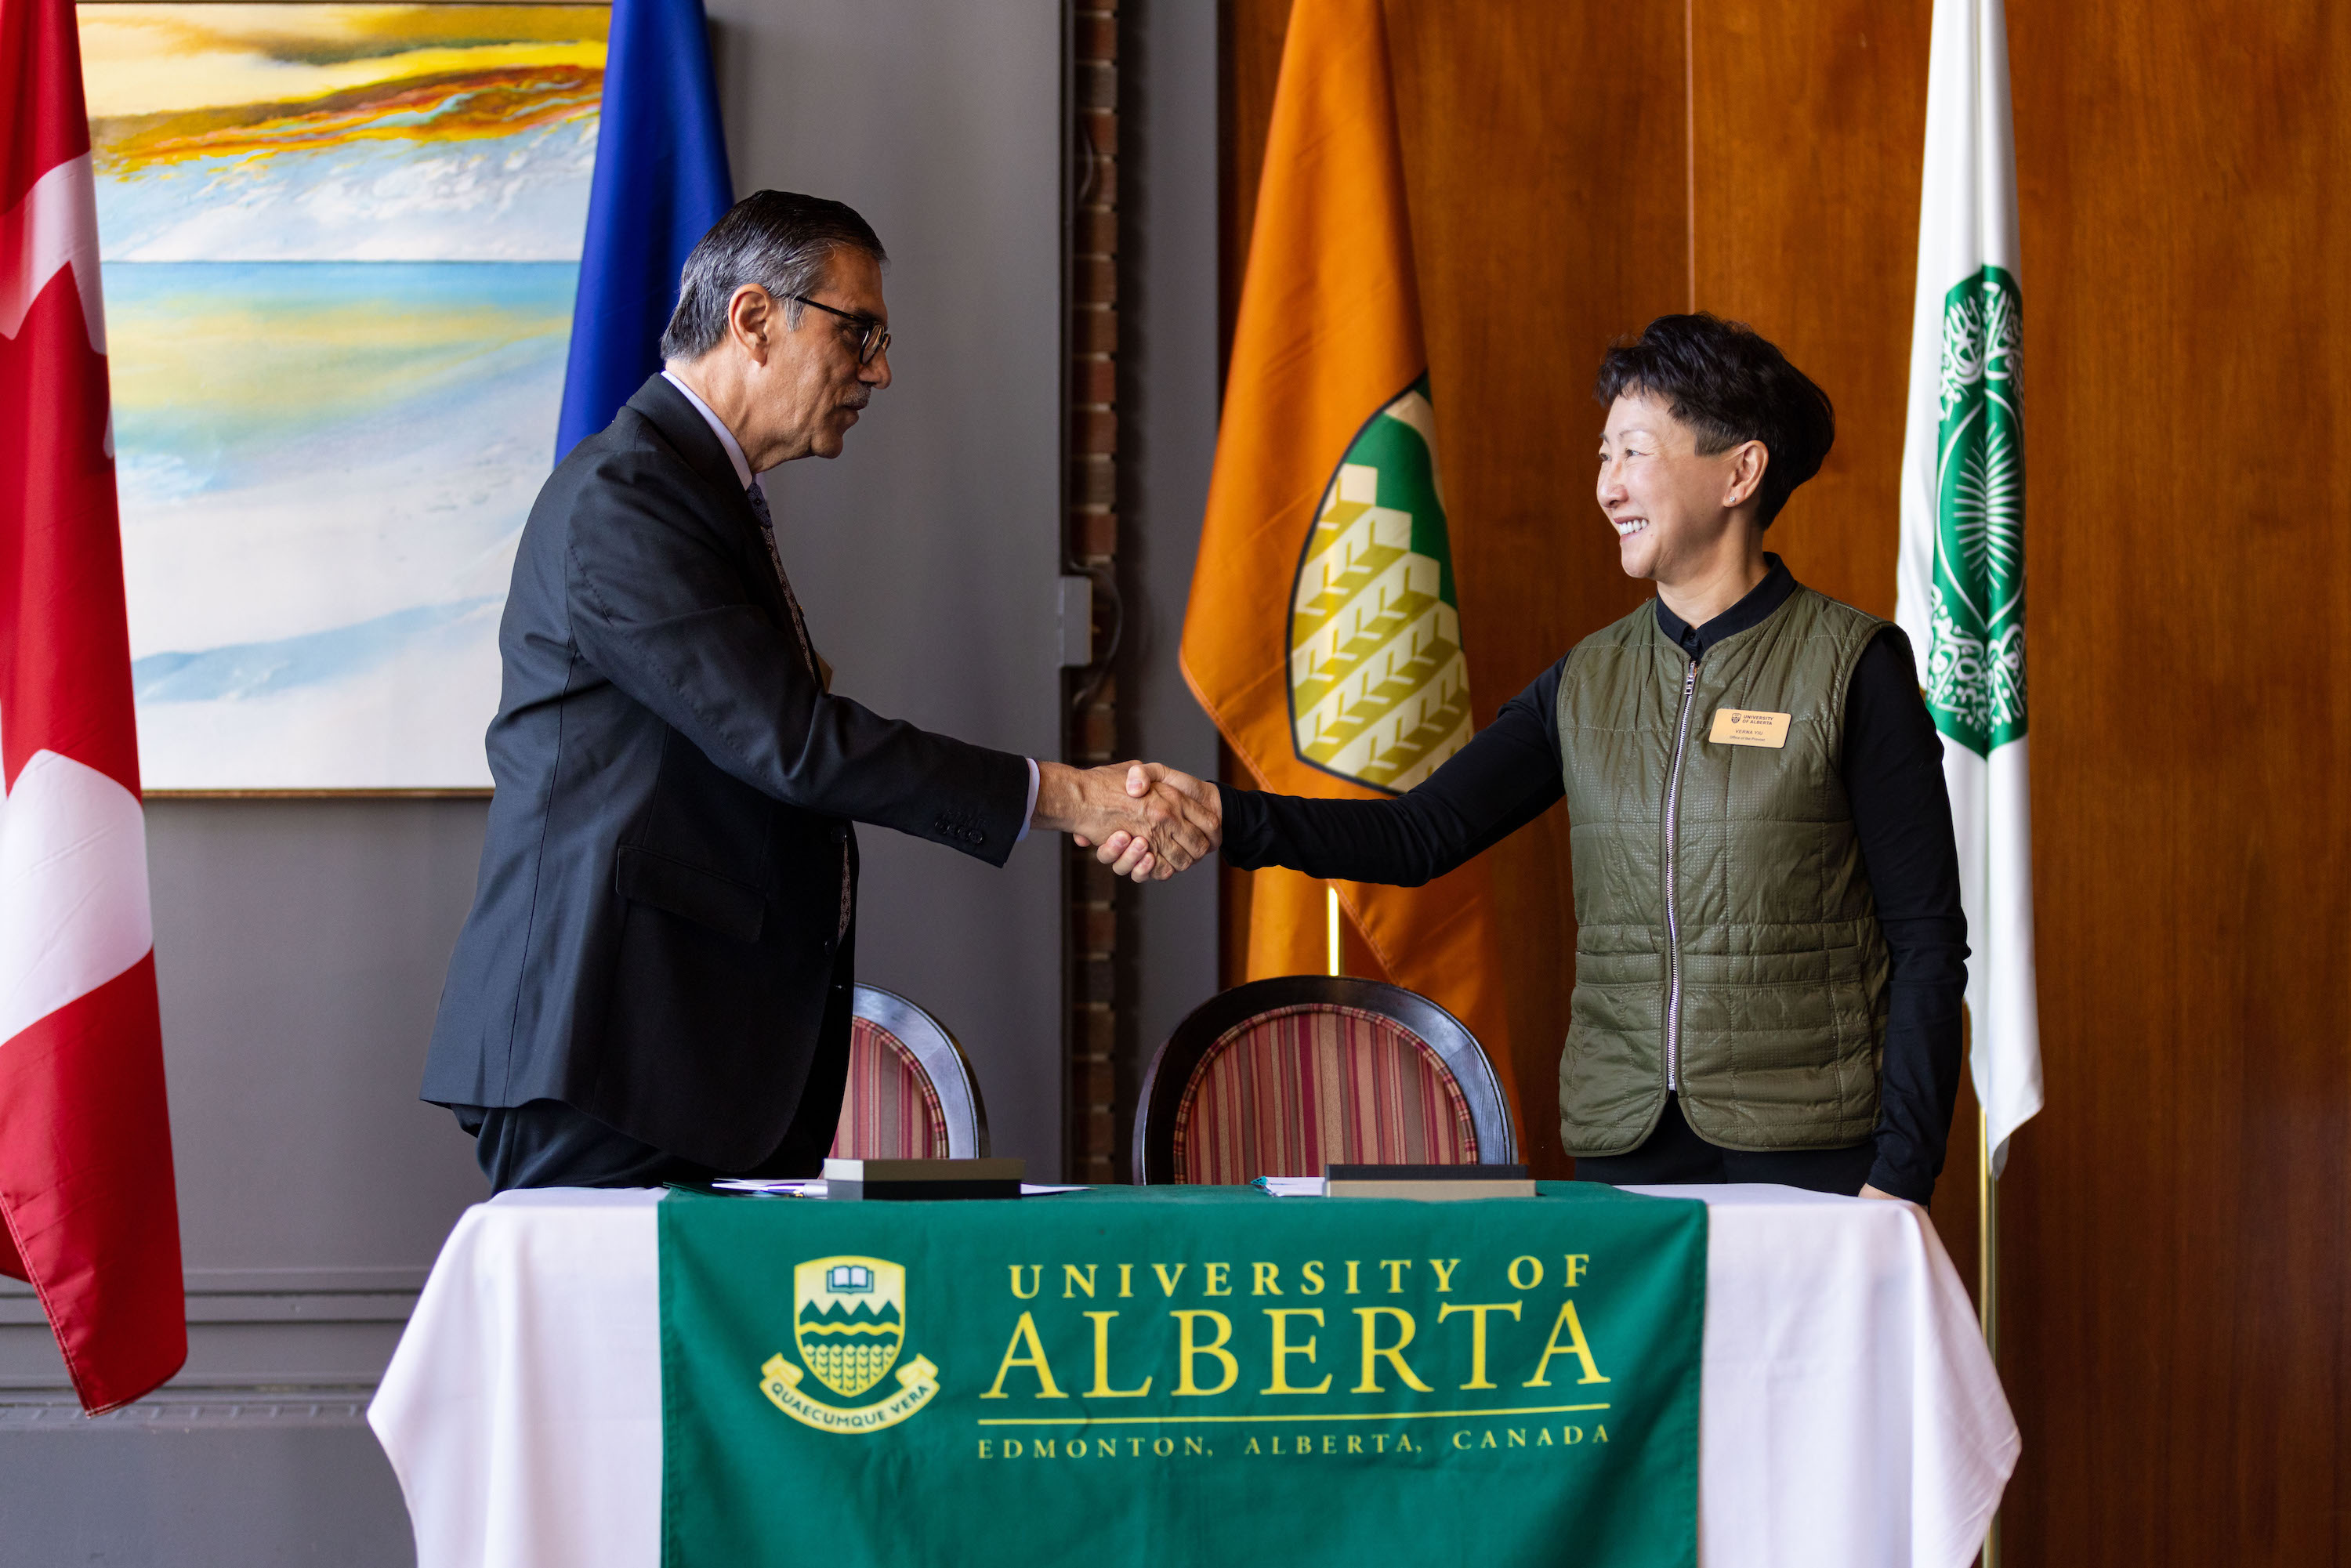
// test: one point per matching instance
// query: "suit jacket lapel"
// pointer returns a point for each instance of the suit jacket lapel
(681, 425)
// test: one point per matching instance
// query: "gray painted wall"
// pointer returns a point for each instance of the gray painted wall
(301, 945)
(1168, 400)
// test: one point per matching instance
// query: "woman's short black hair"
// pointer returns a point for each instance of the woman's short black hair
(1730, 385)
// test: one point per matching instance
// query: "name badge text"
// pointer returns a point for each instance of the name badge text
(1739, 726)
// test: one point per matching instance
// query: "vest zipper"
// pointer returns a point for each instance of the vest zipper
(1673, 912)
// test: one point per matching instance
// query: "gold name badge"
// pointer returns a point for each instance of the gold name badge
(1738, 727)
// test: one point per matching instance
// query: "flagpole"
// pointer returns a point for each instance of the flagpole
(1330, 929)
(1987, 1277)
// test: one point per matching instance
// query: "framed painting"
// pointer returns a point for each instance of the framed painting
(339, 244)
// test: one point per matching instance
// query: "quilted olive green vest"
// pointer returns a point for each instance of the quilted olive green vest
(1727, 943)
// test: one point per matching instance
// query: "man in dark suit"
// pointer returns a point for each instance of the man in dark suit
(655, 981)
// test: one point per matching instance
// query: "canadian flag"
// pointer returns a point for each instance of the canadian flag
(85, 1141)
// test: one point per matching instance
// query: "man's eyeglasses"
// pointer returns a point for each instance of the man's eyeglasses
(872, 340)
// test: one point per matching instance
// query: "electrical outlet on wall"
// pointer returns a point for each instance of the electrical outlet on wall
(1077, 617)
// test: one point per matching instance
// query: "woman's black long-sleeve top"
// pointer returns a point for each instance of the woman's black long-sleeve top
(1509, 774)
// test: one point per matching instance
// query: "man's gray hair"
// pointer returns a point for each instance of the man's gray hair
(781, 240)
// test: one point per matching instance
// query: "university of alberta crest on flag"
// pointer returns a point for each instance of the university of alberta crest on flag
(848, 1323)
(1379, 693)
(1324, 633)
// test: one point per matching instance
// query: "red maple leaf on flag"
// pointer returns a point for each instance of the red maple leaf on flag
(86, 1188)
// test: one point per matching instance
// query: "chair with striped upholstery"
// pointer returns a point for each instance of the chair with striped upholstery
(911, 1092)
(1282, 1077)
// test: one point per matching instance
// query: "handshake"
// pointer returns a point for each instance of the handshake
(1148, 820)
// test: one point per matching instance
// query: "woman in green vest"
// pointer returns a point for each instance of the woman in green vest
(1770, 949)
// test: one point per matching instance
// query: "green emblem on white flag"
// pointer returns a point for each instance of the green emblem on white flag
(1960, 564)
(1379, 693)
(1975, 653)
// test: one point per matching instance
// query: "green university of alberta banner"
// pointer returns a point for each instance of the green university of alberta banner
(1179, 1375)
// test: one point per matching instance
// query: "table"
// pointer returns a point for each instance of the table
(1850, 1415)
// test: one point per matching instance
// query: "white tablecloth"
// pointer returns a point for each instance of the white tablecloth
(1849, 1413)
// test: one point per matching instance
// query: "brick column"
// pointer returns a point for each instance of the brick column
(1098, 1018)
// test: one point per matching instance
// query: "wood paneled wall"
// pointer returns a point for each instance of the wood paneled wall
(2176, 1265)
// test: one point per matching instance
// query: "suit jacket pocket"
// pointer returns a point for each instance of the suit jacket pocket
(727, 907)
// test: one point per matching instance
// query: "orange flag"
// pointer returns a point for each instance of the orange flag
(1323, 634)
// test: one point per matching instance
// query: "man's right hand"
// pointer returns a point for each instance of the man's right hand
(1160, 828)
(1127, 855)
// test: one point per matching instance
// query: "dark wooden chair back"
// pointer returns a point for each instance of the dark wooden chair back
(911, 1093)
(1282, 1077)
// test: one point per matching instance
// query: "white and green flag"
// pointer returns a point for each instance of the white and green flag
(1961, 589)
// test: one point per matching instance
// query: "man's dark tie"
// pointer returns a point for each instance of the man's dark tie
(817, 667)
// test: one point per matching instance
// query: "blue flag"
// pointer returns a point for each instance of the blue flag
(660, 182)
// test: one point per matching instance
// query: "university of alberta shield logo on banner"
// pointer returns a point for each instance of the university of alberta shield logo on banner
(848, 1323)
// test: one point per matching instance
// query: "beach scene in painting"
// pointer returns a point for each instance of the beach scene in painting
(339, 244)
